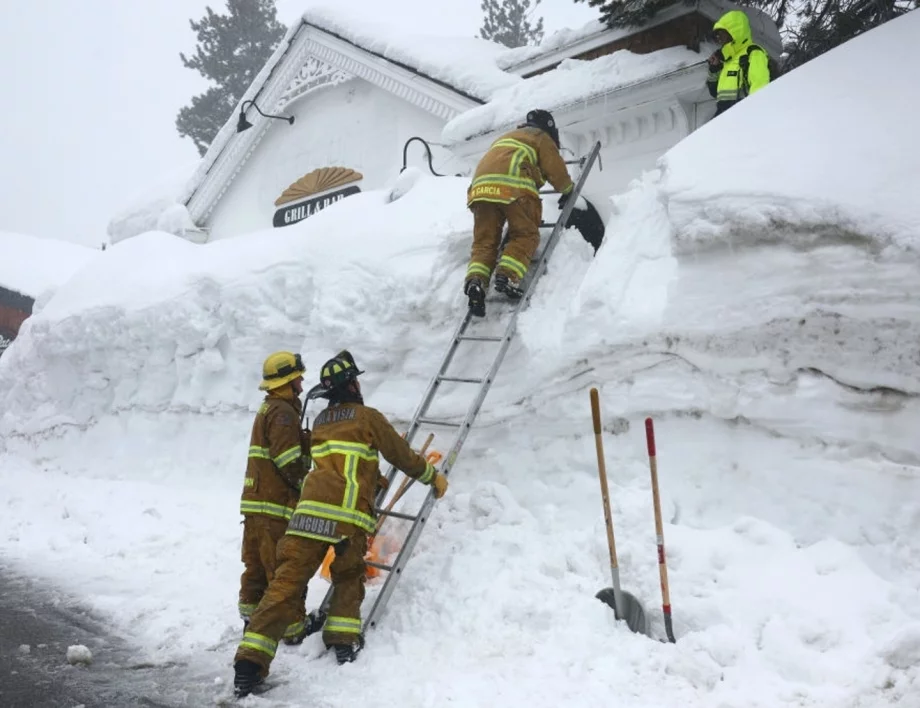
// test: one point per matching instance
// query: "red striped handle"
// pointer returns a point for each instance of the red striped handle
(650, 436)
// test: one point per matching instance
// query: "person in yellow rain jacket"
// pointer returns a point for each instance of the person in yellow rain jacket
(505, 187)
(336, 509)
(740, 67)
(278, 462)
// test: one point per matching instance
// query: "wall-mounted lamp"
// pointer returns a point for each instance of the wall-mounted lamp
(243, 124)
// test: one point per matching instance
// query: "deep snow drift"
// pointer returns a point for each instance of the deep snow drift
(763, 315)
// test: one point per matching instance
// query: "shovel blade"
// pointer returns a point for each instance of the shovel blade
(632, 610)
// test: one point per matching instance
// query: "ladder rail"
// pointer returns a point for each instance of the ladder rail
(421, 517)
(408, 545)
(535, 272)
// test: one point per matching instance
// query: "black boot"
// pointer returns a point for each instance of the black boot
(313, 623)
(248, 675)
(477, 297)
(345, 653)
(508, 286)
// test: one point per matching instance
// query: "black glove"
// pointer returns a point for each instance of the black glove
(564, 198)
(715, 60)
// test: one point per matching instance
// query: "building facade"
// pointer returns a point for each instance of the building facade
(356, 108)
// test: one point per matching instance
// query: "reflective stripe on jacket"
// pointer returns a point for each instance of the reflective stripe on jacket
(276, 465)
(727, 86)
(338, 495)
(518, 164)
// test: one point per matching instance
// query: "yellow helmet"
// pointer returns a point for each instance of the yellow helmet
(281, 368)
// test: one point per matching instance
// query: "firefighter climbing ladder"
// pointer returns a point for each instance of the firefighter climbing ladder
(502, 342)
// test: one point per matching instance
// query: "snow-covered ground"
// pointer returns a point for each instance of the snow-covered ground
(757, 297)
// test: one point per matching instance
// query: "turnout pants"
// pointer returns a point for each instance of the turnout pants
(261, 535)
(298, 560)
(523, 217)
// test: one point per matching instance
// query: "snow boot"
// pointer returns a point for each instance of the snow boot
(247, 675)
(477, 297)
(345, 653)
(509, 286)
(313, 623)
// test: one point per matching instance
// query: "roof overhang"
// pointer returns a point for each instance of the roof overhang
(618, 114)
(712, 9)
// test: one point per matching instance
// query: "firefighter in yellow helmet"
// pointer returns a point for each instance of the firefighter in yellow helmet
(740, 67)
(279, 458)
(506, 187)
(336, 509)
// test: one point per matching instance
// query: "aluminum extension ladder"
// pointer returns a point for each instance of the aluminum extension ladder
(420, 419)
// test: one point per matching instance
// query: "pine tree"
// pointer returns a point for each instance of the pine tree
(231, 50)
(628, 13)
(812, 27)
(508, 22)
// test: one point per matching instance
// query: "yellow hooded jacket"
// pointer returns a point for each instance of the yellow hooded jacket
(727, 86)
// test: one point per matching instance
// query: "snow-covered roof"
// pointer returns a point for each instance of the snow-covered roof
(466, 64)
(574, 42)
(31, 265)
(573, 81)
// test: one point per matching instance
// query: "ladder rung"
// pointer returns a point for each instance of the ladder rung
(446, 423)
(396, 514)
(479, 338)
(460, 379)
(381, 566)
(550, 191)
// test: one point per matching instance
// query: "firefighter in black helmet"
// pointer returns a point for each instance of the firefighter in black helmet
(505, 188)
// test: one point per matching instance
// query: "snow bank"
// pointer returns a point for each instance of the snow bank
(163, 324)
(31, 266)
(822, 147)
(468, 64)
(157, 208)
(571, 82)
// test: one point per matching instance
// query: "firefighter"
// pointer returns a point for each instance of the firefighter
(506, 187)
(278, 462)
(740, 67)
(336, 509)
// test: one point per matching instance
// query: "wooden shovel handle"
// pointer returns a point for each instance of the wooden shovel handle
(602, 474)
(404, 485)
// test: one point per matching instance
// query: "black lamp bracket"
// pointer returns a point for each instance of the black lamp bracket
(289, 119)
(427, 151)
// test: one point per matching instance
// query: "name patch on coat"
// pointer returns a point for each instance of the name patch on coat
(335, 415)
(312, 524)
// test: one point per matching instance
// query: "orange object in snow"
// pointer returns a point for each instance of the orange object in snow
(378, 552)
(381, 546)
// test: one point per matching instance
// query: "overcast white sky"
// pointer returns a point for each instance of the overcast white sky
(91, 89)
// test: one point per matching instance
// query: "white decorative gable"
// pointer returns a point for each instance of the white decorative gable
(314, 74)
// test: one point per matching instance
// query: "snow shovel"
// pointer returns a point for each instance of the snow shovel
(624, 605)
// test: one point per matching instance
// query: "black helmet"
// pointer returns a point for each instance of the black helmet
(538, 118)
(339, 371)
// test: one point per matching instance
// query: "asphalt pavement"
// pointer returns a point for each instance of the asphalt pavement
(38, 624)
